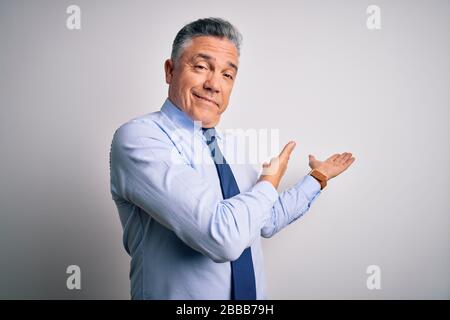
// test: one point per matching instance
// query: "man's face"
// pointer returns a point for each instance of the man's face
(201, 81)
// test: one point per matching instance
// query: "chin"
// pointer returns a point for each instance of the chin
(208, 122)
(207, 117)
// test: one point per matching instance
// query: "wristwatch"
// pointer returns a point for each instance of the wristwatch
(319, 176)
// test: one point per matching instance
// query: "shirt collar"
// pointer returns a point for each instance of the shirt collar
(181, 119)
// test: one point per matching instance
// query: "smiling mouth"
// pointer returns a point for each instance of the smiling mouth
(205, 99)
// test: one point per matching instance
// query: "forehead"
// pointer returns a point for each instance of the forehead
(219, 49)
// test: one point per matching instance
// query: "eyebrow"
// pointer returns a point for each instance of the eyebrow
(208, 57)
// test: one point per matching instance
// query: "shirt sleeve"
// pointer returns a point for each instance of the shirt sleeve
(291, 205)
(148, 171)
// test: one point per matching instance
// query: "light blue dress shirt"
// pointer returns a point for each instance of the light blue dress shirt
(180, 233)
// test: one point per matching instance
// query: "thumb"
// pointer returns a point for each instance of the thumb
(311, 157)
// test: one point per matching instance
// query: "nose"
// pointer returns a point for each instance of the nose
(212, 83)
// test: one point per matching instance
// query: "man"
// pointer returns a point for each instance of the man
(193, 228)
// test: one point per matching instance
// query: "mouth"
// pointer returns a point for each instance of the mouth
(206, 99)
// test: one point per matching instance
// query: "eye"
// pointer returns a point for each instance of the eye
(228, 76)
(200, 67)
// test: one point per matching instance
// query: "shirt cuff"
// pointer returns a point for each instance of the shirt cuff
(310, 187)
(267, 189)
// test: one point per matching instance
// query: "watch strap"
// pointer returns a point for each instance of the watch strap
(319, 176)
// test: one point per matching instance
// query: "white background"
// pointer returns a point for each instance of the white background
(311, 69)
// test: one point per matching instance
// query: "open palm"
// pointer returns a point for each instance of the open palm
(334, 165)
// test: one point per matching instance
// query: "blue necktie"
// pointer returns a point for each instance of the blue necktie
(242, 274)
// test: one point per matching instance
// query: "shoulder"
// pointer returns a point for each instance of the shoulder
(145, 126)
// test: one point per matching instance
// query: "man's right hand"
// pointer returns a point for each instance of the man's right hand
(274, 171)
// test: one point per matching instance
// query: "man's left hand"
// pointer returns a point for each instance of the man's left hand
(334, 165)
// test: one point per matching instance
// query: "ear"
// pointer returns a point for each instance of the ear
(168, 68)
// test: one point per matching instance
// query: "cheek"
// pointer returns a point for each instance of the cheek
(189, 80)
(226, 96)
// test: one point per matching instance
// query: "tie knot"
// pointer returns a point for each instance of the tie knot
(210, 134)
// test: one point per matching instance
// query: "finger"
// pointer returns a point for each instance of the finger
(346, 156)
(333, 157)
(339, 159)
(287, 150)
(349, 162)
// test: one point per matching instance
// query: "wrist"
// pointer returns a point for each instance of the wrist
(320, 176)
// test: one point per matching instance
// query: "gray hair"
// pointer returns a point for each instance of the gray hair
(215, 27)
